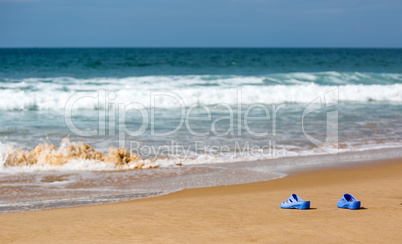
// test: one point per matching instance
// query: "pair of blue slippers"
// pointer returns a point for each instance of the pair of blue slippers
(295, 202)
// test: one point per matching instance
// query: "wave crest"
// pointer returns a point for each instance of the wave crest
(49, 155)
(54, 93)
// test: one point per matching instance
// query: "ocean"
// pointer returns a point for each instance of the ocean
(85, 126)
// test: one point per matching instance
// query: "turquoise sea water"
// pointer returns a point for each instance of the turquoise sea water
(35, 85)
(193, 107)
(132, 62)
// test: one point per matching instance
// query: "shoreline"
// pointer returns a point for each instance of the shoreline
(105, 187)
(235, 213)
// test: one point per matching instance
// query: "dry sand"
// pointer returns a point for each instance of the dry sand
(232, 214)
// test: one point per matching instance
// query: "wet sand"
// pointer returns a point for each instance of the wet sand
(236, 213)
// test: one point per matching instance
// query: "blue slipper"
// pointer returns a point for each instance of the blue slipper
(296, 202)
(348, 201)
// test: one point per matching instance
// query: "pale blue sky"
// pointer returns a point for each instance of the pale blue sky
(200, 23)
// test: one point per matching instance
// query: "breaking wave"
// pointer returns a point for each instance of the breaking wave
(70, 155)
(79, 156)
(53, 93)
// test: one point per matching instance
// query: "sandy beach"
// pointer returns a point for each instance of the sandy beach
(193, 121)
(234, 214)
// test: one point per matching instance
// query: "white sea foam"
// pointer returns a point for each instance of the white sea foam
(178, 160)
(53, 94)
(3, 155)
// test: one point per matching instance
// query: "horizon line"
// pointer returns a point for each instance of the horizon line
(196, 47)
